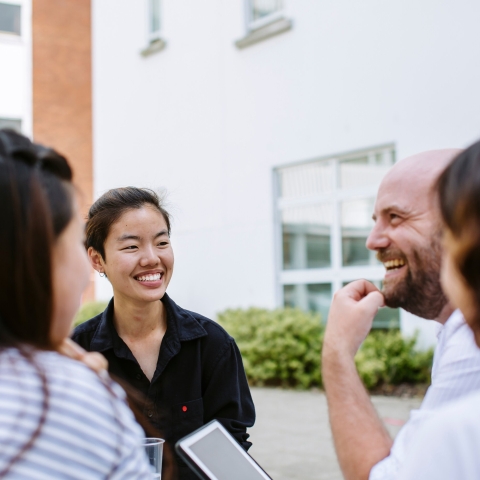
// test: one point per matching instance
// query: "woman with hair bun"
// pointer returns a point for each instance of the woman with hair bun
(185, 365)
(58, 418)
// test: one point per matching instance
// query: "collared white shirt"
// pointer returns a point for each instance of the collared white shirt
(455, 374)
(446, 447)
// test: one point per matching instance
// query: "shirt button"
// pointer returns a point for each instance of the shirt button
(150, 414)
(138, 376)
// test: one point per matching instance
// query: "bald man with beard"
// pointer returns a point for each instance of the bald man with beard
(407, 238)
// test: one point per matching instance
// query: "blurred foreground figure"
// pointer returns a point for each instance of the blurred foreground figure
(447, 446)
(58, 418)
(407, 239)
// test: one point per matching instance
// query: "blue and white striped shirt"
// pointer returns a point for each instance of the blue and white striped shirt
(89, 433)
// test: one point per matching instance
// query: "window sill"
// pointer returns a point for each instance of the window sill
(271, 29)
(12, 38)
(154, 47)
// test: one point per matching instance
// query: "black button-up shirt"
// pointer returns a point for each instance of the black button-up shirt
(199, 375)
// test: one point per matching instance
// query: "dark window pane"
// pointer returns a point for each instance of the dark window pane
(315, 297)
(354, 251)
(356, 225)
(306, 237)
(10, 18)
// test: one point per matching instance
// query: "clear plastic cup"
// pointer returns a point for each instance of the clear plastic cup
(154, 450)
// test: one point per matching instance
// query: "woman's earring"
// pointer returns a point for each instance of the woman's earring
(102, 274)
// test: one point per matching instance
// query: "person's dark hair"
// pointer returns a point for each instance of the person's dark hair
(459, 197)
(111, 206)
(36, 206)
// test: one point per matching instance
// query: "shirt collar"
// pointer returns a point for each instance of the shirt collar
(182, 326)
(453, 323)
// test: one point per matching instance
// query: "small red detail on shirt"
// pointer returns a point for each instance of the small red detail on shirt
(184, 408)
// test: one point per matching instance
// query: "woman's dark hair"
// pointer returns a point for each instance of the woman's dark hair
(111, 206)
(36, 206)
(459, 195)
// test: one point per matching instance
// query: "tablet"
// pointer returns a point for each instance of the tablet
(213, 454)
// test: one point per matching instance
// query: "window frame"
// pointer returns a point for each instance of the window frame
(252, 24)
(153, 36)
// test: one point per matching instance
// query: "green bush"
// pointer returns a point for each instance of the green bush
(283, 347)
(279, 347)
(89, 310)
(388, 358)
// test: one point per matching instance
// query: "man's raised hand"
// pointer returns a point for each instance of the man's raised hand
(351, 316)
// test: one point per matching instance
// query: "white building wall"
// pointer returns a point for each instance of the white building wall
(209, 122)
(16, 70)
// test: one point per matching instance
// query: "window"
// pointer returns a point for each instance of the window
(155, 42)
(324, 215)
(261, 12)
(12, 123)
(154, 20)
(10, 18)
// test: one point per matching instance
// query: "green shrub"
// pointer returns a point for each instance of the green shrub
(388, 358)
(89, 310)
(283, 347)
(279, 347)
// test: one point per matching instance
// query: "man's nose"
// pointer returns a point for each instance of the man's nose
(378, 238)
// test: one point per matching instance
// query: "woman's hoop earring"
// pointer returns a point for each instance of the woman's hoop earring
(101, 274)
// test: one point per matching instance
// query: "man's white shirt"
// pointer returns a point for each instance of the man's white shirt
(446, 447)
(455, 374)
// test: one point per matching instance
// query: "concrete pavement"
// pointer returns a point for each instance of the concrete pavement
(292, 439)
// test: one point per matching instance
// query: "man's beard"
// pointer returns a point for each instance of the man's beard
(420, 291)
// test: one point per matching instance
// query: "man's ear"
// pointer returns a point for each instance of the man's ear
(96, 260)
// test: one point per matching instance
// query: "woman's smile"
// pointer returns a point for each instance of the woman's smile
(150, 279)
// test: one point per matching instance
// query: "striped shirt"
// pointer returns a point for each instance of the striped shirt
(455, 374)
(89, 432)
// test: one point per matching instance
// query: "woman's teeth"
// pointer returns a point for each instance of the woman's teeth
(149, 278)
(396, 263)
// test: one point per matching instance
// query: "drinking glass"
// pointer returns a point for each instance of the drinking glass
(154, 450)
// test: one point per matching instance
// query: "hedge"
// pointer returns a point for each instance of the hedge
(283, 347)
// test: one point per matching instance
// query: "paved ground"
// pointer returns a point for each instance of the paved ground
(292, 440)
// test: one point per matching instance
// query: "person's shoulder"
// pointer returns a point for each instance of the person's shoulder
(88, 327)
(213, 329)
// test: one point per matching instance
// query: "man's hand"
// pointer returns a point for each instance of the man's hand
(94, 360)
(351, 315)
(359, 436)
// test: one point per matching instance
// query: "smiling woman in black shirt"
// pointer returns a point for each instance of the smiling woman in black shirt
(186, 367)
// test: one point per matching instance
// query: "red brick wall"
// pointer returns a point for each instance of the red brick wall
(62, 86)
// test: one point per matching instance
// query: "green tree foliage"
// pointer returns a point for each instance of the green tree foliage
(89, 310)
(283, 347)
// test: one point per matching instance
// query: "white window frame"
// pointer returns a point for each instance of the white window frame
(336, 274)
(261, 22)
(154, 35)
